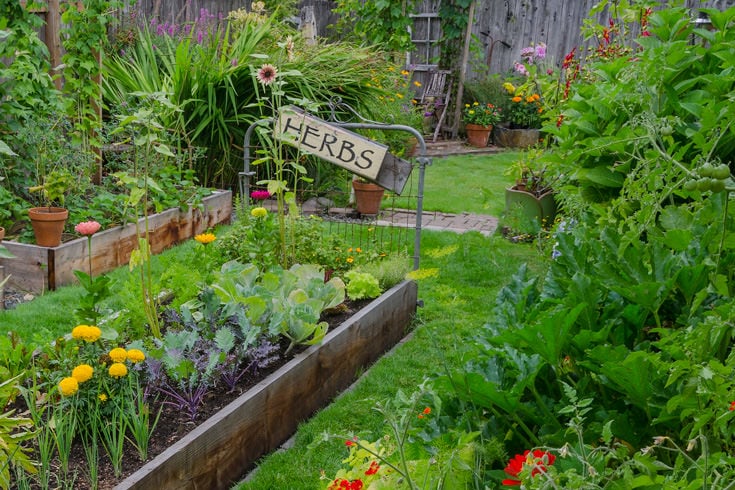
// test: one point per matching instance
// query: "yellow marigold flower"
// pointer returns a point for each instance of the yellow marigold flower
(417, 83)
(102, 397)
(82, 373)
(87, 333)
(475, 103)
(68, 386)
(118, 370)
(466, 106)
(136, 355)
(350, 260)
(358, 250)
(404, 72)
(205, 238)
(470, 112)
(517, 99)
(258, 212)
(118, 354)
(400, 96)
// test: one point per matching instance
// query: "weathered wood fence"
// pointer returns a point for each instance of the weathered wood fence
(500, 28)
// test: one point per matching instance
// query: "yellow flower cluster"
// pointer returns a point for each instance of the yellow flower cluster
(68, 386)
(118, 370)
(205, 238)
(82, 373)
(86, 333)
(118, 354)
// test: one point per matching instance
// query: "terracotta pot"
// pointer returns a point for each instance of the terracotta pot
(516, 138)
(48, 225)
(368, 197)
(477, 135)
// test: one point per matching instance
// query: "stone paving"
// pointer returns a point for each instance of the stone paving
(436, 221)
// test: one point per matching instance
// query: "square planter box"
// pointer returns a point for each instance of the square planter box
(218, 452)
(36, 269)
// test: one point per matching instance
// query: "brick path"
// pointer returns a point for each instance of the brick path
(436, 221)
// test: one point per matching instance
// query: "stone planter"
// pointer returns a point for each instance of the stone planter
(516, 138)
(36, 269)
(221, 450)
(541, 208)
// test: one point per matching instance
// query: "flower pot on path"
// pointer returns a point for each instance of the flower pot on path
(48, 224)
(516, 138)
(477, 135)
(368, 197)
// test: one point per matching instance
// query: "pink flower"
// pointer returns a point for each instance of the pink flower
(267, 74)
(260, 195)
(520, 68)
(540, 51)
(87, 228)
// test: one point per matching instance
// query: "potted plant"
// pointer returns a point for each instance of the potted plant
(368, 196)
(532, 192)
(479, 120)
(48, 221)
(522, 119)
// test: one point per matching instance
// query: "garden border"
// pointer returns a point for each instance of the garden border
(36, 269)
(222, 449)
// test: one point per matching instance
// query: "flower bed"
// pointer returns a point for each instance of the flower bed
(220, 450)
(36, 269)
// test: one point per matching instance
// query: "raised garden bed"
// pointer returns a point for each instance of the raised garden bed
(218, 452)
(36, 269)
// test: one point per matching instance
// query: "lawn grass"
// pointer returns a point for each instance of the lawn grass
(462, 183)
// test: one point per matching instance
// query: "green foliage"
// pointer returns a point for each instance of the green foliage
(280, 302)
(635, 133)
(383, 22)
(14, 431)
(362, 285)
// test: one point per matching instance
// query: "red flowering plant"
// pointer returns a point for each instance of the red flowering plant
(528, 465)
(413, 453)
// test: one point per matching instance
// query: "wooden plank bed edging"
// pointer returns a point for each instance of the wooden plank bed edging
(223, 448)
(36, 269)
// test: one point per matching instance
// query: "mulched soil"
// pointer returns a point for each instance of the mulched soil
(173, 425)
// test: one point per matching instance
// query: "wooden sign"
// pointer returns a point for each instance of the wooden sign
(354, 152)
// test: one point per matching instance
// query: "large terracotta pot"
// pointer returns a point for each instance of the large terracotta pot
(516, 138)
(368, 197)
(48, 225)
(477, 135)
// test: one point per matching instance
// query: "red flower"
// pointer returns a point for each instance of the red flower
(349, 485)
(538, 459)
(427, 410)
(374, 467)
(732, 406)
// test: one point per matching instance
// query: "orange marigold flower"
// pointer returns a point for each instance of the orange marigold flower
(87, 333)
(517, 98)
(205, 238)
